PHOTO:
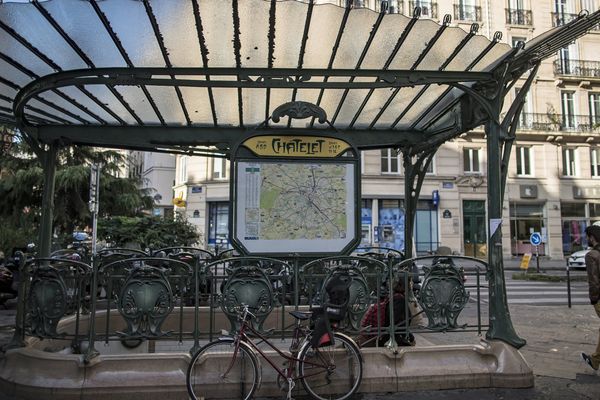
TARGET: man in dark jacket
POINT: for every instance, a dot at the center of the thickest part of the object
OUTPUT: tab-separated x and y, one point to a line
592	262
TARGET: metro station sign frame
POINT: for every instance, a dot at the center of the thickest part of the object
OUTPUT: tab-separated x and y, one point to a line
270	148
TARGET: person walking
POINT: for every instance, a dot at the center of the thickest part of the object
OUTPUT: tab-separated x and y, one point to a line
592	262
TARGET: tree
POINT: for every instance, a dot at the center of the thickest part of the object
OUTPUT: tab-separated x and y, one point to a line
147	232
21	186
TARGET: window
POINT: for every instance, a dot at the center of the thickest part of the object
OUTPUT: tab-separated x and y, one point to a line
589	5
517	39
182	173
573	226
594	109
524	161
525	118
569	161
568	109
390	161
467	10
471	161
428	8
595	161
430	169
526	218
219	168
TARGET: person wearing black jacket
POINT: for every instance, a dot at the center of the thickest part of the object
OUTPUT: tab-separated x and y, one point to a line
592	262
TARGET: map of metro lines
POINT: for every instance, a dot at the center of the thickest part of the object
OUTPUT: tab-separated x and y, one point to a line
298	201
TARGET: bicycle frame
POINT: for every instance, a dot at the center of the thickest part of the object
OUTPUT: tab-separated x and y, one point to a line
292	359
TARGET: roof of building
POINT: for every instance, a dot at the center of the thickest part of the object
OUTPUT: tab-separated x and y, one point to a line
173	75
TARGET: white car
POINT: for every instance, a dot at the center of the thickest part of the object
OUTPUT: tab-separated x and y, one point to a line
577	259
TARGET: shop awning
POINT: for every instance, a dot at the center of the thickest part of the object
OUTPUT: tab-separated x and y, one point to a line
171	75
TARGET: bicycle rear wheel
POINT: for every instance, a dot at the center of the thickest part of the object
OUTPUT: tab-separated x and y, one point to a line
214	373
333	371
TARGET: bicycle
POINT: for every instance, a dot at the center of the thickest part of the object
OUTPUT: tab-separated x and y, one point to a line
329	371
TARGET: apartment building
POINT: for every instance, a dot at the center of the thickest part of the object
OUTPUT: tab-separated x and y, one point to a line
554	178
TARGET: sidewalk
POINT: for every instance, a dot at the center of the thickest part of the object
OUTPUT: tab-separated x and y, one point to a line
556	336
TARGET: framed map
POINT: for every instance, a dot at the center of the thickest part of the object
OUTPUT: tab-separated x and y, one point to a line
295	207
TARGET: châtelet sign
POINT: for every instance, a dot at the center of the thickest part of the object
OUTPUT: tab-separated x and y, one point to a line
296	146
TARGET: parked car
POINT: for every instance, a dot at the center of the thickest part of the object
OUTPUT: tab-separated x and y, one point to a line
577	259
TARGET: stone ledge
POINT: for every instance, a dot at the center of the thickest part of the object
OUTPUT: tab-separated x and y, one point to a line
32	374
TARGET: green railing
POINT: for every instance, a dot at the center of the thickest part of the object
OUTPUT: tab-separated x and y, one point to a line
190	295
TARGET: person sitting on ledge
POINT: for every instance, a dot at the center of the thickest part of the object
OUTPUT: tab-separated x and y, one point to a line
378	315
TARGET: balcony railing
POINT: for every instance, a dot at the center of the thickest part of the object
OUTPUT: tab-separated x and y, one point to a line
581	68
467	13
562	18
518	17
429	9
558	123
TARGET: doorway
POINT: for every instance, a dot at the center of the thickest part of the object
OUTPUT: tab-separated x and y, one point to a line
474	232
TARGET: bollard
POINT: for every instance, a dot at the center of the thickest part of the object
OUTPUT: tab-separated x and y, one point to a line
568	285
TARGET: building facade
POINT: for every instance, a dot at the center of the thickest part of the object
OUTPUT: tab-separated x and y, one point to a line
554	174
156	172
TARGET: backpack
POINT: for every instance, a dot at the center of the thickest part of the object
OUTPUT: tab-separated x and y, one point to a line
338	293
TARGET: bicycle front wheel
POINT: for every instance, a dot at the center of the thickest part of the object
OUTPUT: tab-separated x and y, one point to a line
216	372
333	371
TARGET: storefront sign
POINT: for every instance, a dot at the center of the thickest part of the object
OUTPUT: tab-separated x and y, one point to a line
296	146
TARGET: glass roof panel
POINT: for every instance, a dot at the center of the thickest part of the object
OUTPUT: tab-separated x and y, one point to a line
432	92
440	51
226	105
174	34
13	75
31	25
217	23
288	33
130	23
254	32
469	53
22	55
137	100
415	44
79	20
324	27
254	102
59	101
167	102
52	111
359	26
198	105
385	40
103	94
404	96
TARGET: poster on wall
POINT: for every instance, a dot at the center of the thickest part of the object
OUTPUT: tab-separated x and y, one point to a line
302	207
391	228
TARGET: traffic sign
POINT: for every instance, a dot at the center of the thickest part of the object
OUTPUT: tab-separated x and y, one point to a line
535	239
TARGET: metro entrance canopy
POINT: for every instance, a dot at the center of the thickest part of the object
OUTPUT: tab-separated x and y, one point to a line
199	76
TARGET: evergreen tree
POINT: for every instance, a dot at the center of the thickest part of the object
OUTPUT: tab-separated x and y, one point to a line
21	187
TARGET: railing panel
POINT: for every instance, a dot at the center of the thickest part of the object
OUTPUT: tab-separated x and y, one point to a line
518	17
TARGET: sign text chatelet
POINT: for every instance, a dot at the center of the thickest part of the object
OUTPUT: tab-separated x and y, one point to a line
296	146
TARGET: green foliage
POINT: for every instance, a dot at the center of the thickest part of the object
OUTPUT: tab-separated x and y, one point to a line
21	188
147	232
